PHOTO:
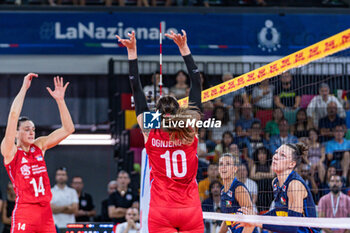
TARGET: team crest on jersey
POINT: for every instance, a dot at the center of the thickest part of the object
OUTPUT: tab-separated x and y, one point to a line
129	197
25	170
283	201
24	160
229	193
39	157
228	203
274	187
284	188
32	149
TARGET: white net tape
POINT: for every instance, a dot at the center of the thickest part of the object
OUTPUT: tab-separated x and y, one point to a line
340	223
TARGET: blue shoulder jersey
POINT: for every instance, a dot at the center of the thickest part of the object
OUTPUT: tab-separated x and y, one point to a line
230	205
281	201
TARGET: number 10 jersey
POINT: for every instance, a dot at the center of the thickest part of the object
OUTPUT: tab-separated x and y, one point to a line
173	171
28	174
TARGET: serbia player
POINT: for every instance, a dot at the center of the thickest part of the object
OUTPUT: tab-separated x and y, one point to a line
293	197
24	162
174	204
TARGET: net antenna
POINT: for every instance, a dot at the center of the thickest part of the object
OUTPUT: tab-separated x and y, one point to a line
160	60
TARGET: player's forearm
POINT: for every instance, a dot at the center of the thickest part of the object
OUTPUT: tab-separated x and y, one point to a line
195	95
57	209
66	119
71	209
118	213
17	104
139	96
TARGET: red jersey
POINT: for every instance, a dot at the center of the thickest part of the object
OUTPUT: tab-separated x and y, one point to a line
28	174
173	171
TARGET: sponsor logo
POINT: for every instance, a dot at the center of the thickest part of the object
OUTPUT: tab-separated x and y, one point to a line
92	30
152	120
24	160
269	38
229	193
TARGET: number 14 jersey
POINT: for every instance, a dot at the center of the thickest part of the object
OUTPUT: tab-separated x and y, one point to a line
28	174
173	171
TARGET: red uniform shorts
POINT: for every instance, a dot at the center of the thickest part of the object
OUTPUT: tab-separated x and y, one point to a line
32	218
171	220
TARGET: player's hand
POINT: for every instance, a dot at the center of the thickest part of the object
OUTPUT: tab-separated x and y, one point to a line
180	41
58	93
28	80
130	43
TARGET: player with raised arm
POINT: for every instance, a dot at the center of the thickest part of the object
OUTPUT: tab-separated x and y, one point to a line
175	205
25	165
293	197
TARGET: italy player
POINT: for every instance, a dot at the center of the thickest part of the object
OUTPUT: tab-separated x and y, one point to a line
234	194
293	197
174	204
25	165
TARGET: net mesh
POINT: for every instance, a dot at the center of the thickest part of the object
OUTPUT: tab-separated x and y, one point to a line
308	104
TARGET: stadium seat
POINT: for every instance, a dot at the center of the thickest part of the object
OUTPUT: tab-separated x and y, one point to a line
126	101
264	116
305	100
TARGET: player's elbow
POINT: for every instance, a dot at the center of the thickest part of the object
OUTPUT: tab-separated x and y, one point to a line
70	129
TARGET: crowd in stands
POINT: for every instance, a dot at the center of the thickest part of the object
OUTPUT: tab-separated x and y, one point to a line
168	3
255	123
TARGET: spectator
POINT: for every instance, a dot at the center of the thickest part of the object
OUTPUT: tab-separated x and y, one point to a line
64	201
121	199
256	139
335	204
338	150
110	2
309	178
149	89
203	185
202	143
86	206
227	99
179	90
316	155
327	123
242	176
7	208
262	95
302	125
324	186
245	123
161	2
235	112
317	108
347	119
283	138
221	114
132	224
271	128
262	173
212	202
111	188
208	3
287	97
224	146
